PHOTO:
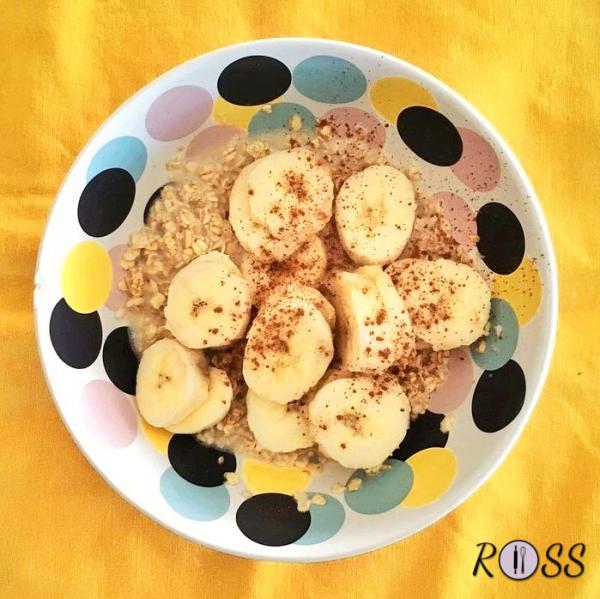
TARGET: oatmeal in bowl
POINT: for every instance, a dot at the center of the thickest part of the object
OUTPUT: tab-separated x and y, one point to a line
295	299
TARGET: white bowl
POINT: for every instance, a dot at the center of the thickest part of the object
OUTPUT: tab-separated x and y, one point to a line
90	368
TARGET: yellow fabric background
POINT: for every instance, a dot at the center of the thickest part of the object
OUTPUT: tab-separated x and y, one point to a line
530	67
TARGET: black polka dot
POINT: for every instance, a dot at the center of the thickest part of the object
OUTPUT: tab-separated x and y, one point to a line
498	397
197	463
106	201
424	432
76	338
272	519
120	361
152	201
430	135
501	239
254	80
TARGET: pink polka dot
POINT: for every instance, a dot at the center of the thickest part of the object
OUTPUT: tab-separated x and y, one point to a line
455	389
211	139
178	112
344	121
108	414
461	217
479	167
116	298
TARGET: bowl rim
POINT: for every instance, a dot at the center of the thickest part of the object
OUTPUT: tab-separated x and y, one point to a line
552	284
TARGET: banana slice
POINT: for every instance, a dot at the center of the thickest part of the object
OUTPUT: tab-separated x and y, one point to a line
358	421
293	194
172	382
289	348
253	236
401	335
208	303
395	269
280	202
277	427
317	299
449	303
375	212
307	266
310	294
374	330
213	410
357	305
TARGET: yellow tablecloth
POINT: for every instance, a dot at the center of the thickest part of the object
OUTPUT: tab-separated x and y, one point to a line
530	67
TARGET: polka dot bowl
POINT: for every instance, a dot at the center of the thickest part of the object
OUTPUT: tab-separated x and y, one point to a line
91	368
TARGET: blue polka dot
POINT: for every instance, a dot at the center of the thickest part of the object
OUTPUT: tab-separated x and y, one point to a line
329	79
325	521
278	120
501	343
192	501
128	153
382	492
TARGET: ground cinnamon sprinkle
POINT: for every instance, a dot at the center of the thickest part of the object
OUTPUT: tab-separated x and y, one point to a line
350	420
296	185
432	236
304	267
270	332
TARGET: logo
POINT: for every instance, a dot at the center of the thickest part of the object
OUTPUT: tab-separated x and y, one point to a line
520	560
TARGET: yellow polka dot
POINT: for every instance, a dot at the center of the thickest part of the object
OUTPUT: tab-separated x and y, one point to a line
391	95
522	289
158	437
229	114
265	478
434	470
86	277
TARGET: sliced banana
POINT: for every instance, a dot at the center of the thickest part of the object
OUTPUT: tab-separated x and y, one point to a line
280	202
172	382
213	410
310	294
307	266
289	348
358	421
449	303
318	300
208	303
395	269
357	304
277	427
293	194
253	236
374	330
400	331
375	212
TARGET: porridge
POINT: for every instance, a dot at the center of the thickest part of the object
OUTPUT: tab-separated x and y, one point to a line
296	301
